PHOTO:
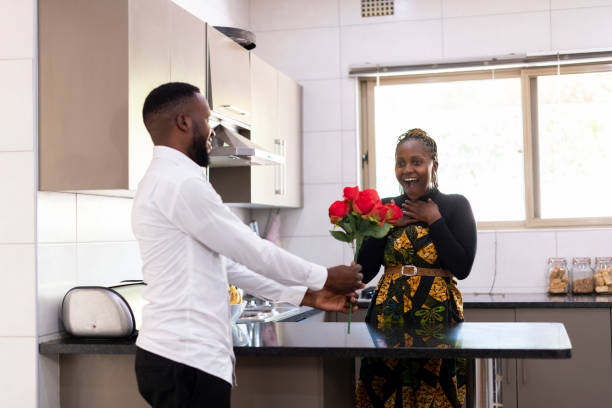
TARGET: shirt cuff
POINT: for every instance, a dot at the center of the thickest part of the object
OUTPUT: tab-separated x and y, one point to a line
317	278
293	294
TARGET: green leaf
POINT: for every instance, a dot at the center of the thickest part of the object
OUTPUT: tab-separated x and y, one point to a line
377	231
340	236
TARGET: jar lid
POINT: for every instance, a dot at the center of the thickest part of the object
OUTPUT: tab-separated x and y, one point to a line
603	259
585	259
557	260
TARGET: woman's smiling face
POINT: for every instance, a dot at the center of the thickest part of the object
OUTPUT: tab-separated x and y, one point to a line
414	168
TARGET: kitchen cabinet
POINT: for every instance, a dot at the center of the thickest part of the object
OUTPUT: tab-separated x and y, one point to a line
98	61
229	94
583	380
264	130
290	135
276	127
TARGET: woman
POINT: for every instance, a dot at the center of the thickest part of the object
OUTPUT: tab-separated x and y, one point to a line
437	235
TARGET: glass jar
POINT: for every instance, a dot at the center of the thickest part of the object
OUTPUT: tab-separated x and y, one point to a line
603	275
558	276
582	276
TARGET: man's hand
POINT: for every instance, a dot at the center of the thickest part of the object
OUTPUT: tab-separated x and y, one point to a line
344	279
415	211
327	300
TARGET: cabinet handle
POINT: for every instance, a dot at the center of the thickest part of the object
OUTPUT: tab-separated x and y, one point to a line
235	109
280	173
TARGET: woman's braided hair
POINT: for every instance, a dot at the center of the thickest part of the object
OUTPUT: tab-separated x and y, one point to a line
427	142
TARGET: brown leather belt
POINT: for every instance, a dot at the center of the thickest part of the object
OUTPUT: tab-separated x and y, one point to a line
411	270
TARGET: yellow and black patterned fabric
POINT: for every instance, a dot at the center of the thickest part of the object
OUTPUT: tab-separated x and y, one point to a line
423	306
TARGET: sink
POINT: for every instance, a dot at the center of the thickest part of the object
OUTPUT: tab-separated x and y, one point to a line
267	313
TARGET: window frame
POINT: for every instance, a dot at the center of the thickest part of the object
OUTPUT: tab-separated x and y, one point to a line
528	78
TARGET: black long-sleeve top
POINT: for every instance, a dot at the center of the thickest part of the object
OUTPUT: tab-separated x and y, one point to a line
454	236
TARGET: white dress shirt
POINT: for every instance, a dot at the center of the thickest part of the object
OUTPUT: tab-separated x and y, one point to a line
190	242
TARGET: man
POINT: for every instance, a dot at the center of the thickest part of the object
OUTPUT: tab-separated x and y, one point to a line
190	244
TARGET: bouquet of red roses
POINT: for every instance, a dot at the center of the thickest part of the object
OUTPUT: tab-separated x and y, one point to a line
361	214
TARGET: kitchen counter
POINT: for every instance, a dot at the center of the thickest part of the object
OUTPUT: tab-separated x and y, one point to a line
319	339
527	300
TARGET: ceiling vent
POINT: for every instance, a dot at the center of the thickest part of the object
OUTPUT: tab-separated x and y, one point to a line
377	8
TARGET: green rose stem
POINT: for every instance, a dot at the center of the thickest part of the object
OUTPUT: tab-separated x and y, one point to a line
356	244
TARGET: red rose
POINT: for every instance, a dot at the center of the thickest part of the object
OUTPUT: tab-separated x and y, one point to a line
366	200
394	213
379	213
351	193
337	211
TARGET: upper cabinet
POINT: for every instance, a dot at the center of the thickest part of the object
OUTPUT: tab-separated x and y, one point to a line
97	63
230	80
277	127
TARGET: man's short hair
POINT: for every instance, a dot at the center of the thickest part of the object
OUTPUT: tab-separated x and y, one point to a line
167	96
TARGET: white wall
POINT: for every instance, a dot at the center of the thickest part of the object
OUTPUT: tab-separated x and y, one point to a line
316	41
18	341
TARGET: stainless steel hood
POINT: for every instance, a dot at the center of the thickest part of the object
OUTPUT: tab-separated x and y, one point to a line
231	149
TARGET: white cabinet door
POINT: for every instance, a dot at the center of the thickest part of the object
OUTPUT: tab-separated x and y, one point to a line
264	129
230	78
290	135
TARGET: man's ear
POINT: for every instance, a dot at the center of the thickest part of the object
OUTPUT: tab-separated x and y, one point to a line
183	122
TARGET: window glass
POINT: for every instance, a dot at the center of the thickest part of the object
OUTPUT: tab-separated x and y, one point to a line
575	141
477	126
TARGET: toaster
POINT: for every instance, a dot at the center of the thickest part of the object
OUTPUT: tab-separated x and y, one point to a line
99	311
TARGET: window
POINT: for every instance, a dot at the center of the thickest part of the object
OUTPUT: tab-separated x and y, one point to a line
528	147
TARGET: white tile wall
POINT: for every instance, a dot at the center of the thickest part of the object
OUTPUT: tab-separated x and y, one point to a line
16	29
350	160
480	278
349	103
18	304
496	35
420	30
321	105
390	43
230	13
313	219
103	219
292	14
567	4
17	197
18	374
350	12
521	260
323	250
464	8
108	263
56	217
57	273
318	56
322	152
16	104
569	31
591	242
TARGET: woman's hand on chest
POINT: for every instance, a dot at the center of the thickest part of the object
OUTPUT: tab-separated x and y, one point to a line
418	211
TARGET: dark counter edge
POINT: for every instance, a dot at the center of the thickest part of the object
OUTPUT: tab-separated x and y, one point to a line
76	346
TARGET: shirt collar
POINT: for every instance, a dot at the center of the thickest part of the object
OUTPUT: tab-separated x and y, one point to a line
175	156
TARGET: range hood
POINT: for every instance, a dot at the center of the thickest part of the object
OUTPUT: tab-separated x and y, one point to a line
231	149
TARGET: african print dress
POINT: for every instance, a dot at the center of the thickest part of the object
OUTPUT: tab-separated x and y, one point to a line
424	305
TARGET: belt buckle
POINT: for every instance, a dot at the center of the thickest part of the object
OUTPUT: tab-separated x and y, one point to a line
414	270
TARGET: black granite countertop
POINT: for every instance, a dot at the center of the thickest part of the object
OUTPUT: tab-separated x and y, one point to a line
531	300
318	339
